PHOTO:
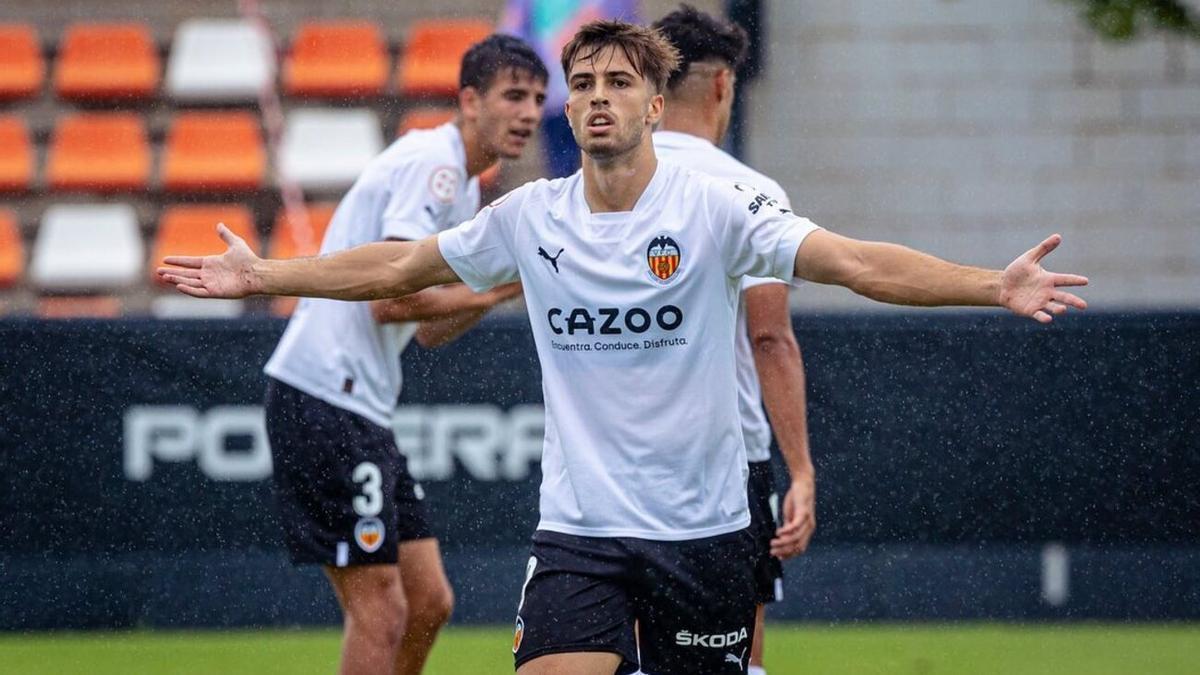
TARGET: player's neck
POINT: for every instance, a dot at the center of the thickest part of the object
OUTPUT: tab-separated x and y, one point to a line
478	157
685	119
614	184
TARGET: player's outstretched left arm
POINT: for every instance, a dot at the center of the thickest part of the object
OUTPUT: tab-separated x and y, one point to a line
380	270
781	374
899	275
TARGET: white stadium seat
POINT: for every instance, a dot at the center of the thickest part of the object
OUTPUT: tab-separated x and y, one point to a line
175	305
219	61
324	149
83	247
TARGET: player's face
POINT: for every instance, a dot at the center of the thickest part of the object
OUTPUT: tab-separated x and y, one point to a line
611	107
510	111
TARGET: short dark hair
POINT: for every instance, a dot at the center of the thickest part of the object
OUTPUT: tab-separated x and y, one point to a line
701	37
652	55
495	54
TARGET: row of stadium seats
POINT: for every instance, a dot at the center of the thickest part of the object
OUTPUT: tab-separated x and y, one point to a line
90	248
98	248
107	131
204	151
231	61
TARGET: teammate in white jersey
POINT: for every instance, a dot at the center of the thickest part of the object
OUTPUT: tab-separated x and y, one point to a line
345	495
699	102
631	271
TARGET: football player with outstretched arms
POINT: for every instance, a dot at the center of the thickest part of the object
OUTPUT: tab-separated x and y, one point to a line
643	517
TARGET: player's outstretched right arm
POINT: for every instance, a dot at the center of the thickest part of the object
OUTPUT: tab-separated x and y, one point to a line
380	270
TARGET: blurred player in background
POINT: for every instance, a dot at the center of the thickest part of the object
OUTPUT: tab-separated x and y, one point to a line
346	497
699	100
548	25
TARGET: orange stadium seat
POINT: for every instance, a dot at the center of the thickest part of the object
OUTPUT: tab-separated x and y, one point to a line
214	151
105	61
16	154
104	152
12	252
430	61
423	118
428	118
79	307
22	67
288	242
336	58
192	230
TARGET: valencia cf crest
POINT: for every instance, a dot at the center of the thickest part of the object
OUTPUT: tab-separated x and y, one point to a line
369	534
663	256
518	633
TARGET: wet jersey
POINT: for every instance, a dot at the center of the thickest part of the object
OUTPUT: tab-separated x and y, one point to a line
693	151
633	316
335	350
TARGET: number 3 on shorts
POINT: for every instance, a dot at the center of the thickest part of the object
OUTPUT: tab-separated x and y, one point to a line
370	502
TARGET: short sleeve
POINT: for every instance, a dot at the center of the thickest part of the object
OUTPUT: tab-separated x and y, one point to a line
751	282
480	251
776	190
421	200
757	236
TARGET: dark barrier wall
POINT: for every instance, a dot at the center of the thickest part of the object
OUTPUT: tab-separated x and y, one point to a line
134	473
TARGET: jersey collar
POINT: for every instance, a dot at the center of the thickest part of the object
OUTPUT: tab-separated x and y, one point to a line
678	139
452	132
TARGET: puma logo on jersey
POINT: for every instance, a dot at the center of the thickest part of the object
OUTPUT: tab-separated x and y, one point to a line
734	658
553	260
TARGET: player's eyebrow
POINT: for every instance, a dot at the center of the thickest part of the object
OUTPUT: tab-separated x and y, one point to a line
610	74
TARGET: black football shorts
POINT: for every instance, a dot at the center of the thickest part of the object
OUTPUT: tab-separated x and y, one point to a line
692	602
343	489
764	516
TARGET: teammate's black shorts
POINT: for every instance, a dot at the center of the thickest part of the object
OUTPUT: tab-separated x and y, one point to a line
344	492
692	602
764	505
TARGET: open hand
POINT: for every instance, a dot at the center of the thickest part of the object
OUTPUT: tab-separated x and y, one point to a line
1029	290
228	275
799	520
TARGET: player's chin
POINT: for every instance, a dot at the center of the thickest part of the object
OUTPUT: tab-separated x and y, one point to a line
599	148
511	150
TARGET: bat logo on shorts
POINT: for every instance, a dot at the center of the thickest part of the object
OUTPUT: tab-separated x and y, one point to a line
368	533
518	633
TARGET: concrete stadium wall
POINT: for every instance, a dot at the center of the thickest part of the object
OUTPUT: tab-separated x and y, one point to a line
972	129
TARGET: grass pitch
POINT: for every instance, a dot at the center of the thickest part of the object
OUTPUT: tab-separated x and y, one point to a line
869	649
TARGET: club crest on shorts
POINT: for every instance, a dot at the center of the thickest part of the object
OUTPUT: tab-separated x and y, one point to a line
369	534
663	256
518	633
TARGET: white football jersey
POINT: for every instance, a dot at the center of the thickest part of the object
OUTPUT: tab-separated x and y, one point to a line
335	350
693	151
633	316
